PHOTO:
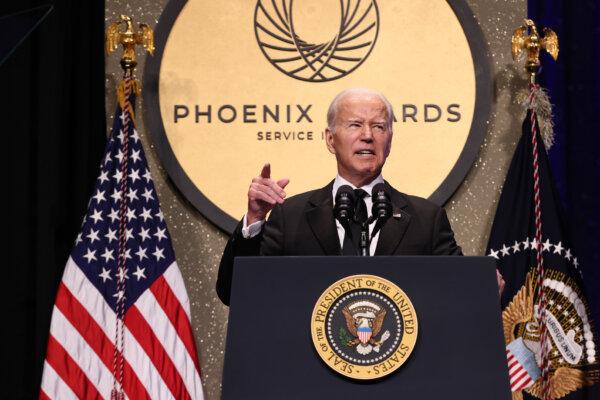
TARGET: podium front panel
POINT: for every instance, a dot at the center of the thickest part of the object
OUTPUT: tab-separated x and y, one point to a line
459	352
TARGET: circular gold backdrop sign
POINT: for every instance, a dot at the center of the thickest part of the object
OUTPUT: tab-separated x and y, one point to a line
238	83
364	327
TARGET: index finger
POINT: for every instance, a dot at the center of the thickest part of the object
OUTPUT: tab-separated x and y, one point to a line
266	171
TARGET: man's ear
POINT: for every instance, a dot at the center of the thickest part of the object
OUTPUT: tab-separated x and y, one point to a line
329	140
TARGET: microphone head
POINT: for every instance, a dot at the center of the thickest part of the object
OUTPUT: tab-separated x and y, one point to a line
382	205
343	210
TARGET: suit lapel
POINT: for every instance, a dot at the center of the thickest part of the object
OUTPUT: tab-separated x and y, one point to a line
394	229
319	214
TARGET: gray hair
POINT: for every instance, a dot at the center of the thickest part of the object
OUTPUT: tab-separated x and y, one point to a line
333	107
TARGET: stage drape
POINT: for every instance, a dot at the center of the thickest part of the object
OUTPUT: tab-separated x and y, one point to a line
53	133
574	87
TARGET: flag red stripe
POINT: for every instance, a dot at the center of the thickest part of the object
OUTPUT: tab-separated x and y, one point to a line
176	314
91	332
43	396
147	339
522	385
516	373
69	371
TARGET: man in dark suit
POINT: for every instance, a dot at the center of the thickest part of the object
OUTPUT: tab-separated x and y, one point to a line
359	134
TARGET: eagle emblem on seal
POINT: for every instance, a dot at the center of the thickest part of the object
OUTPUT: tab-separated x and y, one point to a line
364	320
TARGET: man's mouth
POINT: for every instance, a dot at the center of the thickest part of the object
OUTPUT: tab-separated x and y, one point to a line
365	153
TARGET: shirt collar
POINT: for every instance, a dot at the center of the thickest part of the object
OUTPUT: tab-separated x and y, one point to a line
339	181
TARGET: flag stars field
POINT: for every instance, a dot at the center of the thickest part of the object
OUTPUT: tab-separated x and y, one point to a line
532	245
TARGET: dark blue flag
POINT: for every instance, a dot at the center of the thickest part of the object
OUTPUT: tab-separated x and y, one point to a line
523	244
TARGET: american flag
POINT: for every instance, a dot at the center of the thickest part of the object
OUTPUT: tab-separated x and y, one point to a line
121	321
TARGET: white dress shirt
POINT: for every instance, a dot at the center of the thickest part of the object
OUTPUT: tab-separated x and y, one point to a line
249	231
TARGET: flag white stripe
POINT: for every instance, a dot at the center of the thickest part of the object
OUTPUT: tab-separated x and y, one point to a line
175	280
518	376
91	299
54	386
514	368
171	342
145	370
85	357
518	385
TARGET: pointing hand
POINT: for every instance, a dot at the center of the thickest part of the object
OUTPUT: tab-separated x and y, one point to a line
263	194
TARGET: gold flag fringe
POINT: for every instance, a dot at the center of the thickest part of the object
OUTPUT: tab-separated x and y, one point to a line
537	99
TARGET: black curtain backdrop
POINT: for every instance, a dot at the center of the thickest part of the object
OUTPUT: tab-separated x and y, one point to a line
53	129
574	89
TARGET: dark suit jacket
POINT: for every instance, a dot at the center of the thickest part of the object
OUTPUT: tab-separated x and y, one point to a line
304	225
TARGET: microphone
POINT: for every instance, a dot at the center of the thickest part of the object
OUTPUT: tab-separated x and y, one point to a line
343	210
382	206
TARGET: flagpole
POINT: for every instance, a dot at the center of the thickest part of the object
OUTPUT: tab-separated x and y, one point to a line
127	86
526	39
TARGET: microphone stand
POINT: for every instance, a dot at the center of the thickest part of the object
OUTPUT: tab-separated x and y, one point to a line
365	241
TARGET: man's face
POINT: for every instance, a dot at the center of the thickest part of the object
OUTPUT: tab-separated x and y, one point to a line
362	140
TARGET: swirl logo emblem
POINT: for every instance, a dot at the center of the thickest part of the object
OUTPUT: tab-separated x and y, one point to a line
324	61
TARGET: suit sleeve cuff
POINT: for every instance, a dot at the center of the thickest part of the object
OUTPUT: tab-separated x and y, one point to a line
252	230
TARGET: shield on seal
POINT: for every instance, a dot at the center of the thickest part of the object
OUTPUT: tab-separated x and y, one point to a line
364	334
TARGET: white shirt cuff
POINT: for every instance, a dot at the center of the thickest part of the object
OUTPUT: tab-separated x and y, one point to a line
250	231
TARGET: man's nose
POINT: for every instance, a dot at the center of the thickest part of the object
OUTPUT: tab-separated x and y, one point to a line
366	134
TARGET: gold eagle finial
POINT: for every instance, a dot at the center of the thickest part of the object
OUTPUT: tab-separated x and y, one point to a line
526	40
129	39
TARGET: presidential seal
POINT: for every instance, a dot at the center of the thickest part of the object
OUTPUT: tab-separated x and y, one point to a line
364	327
